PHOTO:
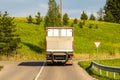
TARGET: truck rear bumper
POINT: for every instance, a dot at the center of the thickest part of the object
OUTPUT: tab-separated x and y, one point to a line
56	61
61	56
61	61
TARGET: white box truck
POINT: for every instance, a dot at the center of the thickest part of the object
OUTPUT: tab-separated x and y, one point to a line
59	44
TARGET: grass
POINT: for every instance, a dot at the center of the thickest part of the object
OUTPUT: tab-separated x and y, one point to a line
96	73
33	40
106	33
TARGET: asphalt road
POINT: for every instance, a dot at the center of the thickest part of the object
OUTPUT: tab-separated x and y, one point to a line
20	70
67	72
37	71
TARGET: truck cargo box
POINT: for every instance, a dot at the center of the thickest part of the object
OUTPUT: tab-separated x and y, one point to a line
59	44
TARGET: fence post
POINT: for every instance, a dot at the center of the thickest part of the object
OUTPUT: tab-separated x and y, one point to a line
107	73
100	72
114	75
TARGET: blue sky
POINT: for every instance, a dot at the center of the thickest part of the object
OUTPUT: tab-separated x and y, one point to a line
23	8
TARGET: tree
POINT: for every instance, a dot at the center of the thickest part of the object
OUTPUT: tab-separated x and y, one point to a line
84	16
100	14
81	24
59	21
108	17
9	40
38	18
29	19
112	8
75	21
92	17
65	19
53	17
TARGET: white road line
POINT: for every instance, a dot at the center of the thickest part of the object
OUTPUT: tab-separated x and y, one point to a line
36	78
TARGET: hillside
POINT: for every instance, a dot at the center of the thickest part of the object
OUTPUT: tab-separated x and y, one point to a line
107	33
33	38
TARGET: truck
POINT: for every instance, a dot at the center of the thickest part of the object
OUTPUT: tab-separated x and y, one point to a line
59	45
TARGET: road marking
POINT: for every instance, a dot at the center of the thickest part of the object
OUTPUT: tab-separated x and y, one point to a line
40	71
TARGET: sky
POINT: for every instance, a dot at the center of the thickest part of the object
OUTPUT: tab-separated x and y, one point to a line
74	8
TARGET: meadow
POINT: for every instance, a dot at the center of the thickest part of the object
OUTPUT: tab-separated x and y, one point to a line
94	31
33	40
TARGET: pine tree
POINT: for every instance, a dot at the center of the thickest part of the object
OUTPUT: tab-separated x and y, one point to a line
29	19
65	19
92	17
84	16
112	8
75	21
38	18
59	22
9	40
108	17
53	17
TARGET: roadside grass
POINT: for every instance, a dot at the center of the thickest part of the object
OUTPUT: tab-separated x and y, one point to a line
96	73
93	56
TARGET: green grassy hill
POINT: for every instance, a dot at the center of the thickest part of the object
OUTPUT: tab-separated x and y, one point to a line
33	38
106	33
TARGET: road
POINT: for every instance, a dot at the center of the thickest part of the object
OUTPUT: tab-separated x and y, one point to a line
30	70
61	72
20	70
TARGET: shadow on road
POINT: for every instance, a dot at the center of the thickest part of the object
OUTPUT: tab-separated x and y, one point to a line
59	64
31	63
40	63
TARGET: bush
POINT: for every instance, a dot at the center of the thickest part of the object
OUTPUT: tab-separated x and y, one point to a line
80	24
91	25
29	19
96	27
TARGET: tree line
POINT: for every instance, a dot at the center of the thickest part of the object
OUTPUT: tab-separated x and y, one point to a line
109	13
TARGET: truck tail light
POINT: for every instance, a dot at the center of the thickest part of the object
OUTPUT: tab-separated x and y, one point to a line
71	55
47	56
